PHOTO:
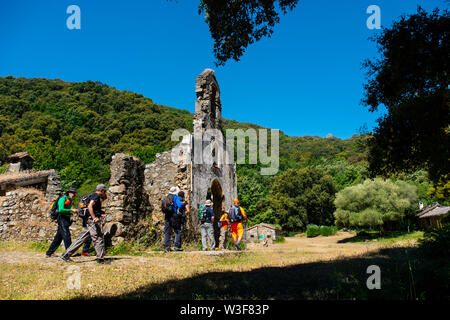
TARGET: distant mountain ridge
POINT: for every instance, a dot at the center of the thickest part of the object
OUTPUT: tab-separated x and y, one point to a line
75	128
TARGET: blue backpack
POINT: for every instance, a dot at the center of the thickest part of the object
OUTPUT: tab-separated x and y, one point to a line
235	214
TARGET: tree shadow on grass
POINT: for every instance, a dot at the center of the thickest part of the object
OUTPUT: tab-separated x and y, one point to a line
362	236
344	278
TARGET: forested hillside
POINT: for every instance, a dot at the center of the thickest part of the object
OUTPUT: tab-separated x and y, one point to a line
75	128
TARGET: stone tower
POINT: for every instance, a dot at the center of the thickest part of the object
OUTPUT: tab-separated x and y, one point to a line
201	171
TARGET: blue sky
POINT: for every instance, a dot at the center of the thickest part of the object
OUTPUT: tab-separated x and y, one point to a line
305	80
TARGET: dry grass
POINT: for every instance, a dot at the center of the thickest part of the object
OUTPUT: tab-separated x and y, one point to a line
294	269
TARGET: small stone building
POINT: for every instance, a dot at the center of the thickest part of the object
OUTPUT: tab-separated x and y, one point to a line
432	216
263	232
20	161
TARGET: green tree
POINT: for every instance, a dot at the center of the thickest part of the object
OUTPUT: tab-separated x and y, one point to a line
411	81
301	197
375	203
235	24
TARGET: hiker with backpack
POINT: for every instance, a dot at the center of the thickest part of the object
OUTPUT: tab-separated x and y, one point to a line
206	217
236	216
87	244
224	225
90	209
61	211
175	209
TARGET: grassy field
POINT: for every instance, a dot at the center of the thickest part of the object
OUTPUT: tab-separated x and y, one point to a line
300	268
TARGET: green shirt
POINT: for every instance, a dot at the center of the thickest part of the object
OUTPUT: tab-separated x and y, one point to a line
63	210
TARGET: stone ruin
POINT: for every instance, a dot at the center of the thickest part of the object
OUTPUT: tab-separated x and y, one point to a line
127	205
133	207
212	179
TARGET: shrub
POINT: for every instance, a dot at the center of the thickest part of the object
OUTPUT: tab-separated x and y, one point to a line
327	231
312	231
374	203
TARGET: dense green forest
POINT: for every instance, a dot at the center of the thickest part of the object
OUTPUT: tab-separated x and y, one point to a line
75	128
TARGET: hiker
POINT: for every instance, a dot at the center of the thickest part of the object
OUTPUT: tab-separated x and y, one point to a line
224	225
87	244
91	227
175	209
207	228
236	215
64	213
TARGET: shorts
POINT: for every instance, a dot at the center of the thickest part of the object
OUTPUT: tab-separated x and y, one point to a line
237	230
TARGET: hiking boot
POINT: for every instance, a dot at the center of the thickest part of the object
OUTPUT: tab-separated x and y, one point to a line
238	247
167	250
66	258
77	255
103	261
85	254
177	249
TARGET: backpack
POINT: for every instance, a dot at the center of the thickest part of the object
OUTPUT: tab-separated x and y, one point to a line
54	212
167	206
235	214
83	206
202	214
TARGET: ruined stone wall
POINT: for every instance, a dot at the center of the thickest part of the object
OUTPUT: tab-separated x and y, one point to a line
166	172
24	216
127	206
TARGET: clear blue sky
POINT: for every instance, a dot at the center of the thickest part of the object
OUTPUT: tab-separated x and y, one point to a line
305	80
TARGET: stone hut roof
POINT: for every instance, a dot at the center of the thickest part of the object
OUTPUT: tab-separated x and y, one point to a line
433	210
18	156
263	225
23	179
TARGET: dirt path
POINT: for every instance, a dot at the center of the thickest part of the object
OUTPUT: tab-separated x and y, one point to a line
322	246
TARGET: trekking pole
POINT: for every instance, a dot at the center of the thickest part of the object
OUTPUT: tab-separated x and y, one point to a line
245	236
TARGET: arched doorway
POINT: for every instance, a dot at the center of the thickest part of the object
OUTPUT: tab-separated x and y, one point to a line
215	194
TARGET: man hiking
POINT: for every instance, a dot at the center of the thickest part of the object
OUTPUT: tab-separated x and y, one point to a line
174	218
224	225
91	227
64	213
207	228
236	216
87	244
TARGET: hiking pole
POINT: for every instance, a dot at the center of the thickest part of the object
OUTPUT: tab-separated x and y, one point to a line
245	236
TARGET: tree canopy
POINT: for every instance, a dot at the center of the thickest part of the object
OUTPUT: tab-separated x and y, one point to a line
235	24
411	80
374	203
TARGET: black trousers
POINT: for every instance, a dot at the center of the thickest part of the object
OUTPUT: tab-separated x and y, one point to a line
177	227
63	234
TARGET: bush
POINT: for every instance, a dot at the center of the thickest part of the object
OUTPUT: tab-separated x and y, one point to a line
312	231
375	203
327	231
437	241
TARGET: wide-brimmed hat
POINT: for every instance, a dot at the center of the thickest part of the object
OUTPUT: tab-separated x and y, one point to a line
174	190
208	203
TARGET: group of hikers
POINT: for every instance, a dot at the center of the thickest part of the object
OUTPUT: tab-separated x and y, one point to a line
174	207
